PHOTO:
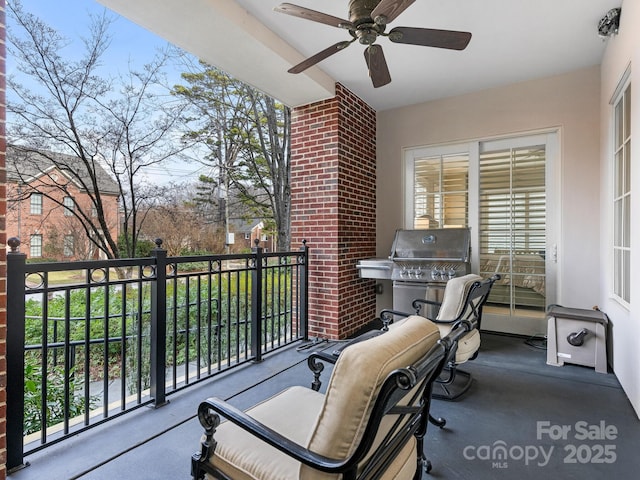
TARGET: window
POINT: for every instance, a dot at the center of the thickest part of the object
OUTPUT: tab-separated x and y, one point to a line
35	246
69	205
36	204
441	186
622	196
69	246
437	181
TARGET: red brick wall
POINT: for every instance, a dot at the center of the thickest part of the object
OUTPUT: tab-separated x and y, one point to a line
3	252
333	200
22	224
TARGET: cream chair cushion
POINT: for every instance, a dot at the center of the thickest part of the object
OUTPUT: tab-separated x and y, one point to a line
453	302
455	294
357	377
330	424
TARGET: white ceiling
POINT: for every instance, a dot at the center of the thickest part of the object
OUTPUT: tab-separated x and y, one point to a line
513	41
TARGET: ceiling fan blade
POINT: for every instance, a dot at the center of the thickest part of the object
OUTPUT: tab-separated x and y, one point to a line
318	57
378	70
428	37
313	15
389	9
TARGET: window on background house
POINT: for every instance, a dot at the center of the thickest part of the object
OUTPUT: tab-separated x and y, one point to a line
36	204
69	246
35	246
622	195
69	205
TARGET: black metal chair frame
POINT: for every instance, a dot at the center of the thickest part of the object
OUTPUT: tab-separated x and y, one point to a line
471	311
412	420
316	362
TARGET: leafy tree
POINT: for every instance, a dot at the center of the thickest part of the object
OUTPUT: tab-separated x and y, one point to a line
246	134
267	165
216	121
94	124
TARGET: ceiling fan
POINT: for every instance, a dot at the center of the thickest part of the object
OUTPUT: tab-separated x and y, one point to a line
368	20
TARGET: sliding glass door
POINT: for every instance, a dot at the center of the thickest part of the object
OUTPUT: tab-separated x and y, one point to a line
513	231
501	189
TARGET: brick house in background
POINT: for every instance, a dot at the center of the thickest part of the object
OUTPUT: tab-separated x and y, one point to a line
43	198
265	240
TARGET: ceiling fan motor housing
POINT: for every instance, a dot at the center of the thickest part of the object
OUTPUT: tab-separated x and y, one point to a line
366	29
360	10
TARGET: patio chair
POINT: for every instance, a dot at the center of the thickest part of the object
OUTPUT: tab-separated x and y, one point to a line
370	423
464	298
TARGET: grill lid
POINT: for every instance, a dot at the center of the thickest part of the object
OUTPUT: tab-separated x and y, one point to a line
441	244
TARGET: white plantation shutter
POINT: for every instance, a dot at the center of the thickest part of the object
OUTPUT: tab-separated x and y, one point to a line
441	191
513	217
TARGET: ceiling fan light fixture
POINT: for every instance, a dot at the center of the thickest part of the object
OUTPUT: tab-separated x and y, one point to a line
366	36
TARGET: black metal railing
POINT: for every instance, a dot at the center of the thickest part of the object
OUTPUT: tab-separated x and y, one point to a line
120	334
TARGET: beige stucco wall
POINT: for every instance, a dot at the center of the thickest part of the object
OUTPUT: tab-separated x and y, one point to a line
622	51
568	103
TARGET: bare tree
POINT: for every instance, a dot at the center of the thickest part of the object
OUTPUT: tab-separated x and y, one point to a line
175	217
120	125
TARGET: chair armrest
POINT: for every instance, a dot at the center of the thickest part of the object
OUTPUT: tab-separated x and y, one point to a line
317	367
418	302
459	330
387	315
209	413
450	341
324	356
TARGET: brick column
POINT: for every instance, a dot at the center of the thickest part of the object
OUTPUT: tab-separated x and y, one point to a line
3	243
333	204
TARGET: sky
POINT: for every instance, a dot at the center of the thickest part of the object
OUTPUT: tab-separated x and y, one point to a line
129	43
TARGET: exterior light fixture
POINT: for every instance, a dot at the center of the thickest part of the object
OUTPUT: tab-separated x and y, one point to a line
609	24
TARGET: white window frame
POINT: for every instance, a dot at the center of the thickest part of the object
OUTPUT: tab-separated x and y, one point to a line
621	217
69	245
413	154
35	245
35	203
69	205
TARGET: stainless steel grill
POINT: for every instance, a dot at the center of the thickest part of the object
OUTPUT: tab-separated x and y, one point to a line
421	263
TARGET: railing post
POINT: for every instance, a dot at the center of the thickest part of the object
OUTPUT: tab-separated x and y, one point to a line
158	346
15	355
304	290
256	303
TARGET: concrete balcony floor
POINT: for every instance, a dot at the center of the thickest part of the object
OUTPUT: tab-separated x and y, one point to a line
521	419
